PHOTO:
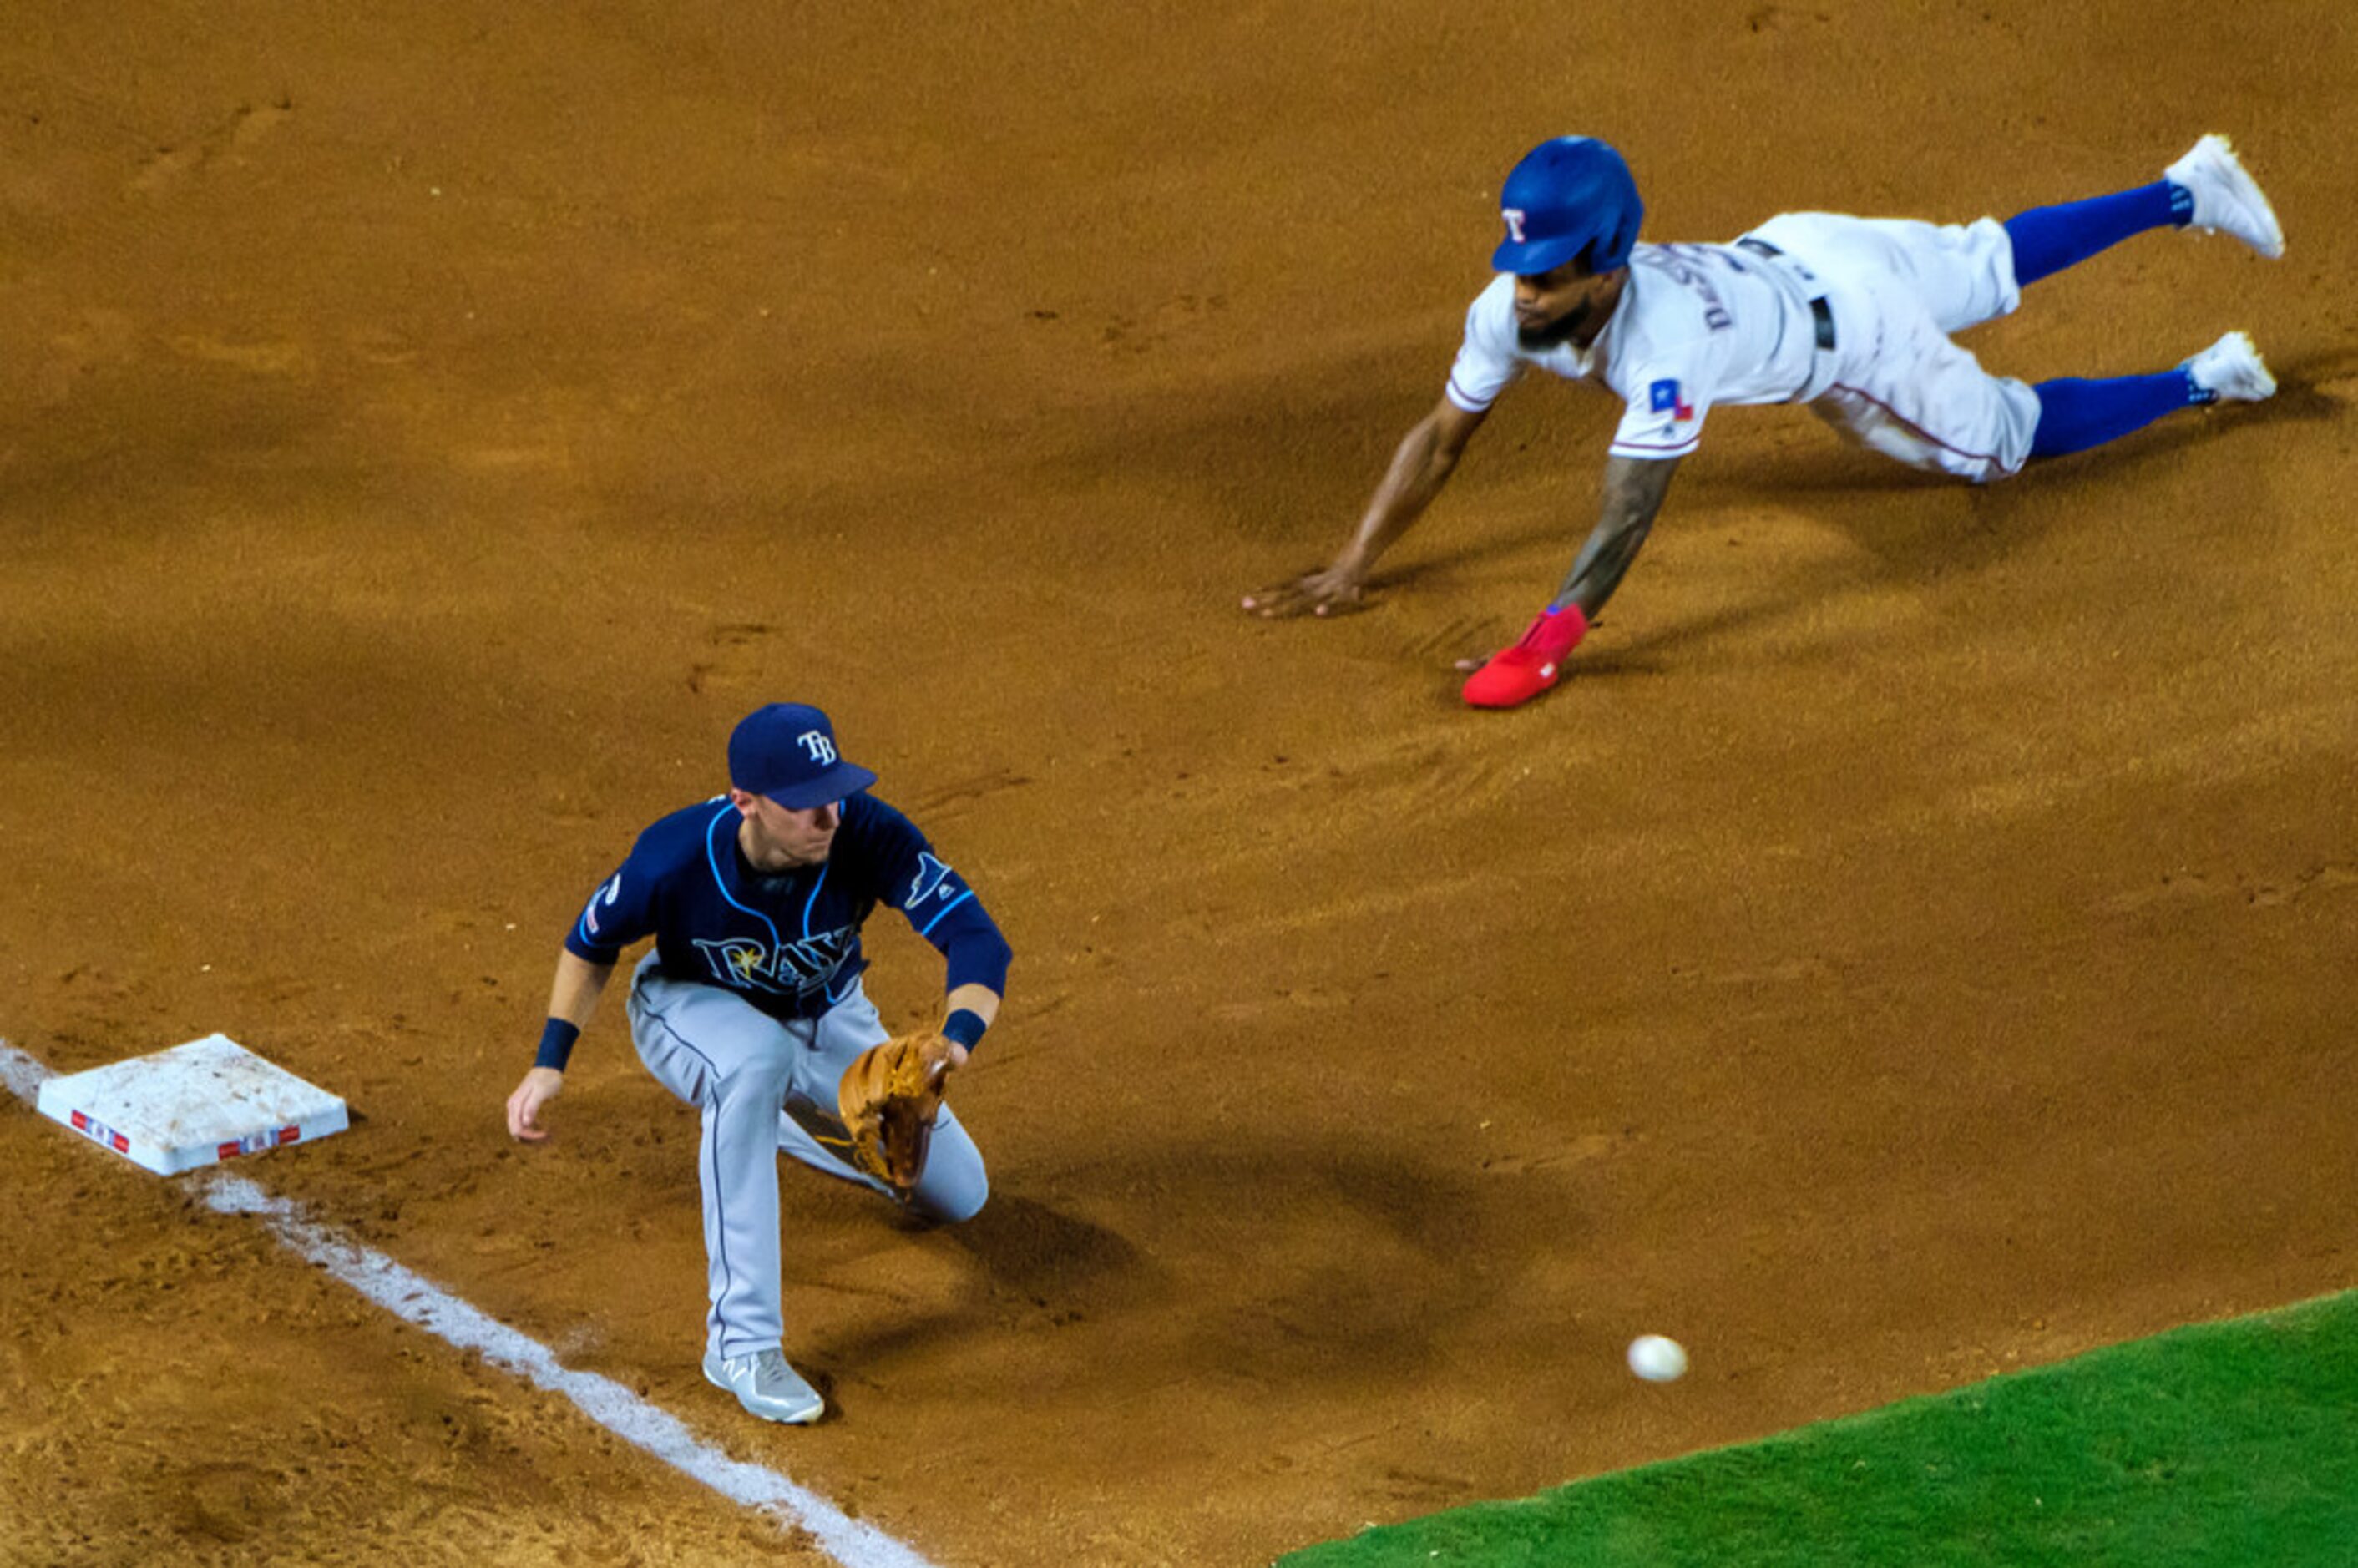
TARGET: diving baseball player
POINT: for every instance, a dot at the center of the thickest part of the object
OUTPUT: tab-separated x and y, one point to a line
749	1007
1851	316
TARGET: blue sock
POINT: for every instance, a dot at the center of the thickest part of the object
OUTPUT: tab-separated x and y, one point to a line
2049	239
2076	415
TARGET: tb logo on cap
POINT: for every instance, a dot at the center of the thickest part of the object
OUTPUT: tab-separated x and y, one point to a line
787	750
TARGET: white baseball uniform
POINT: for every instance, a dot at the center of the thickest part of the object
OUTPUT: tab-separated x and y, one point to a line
1849	315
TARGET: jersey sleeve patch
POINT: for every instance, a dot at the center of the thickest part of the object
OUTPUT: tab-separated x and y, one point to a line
1664	420
926	889
608	922
618	913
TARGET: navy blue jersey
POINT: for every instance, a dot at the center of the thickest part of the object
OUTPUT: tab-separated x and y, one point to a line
787	943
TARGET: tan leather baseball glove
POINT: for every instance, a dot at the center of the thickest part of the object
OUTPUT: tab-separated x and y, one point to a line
889	1099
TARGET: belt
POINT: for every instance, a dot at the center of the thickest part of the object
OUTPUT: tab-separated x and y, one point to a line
1820	315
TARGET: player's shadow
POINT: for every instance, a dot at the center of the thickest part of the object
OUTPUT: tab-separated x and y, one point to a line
1643	654
1323	1260
2302	380
1034	1263
1925	538
1922	527
1281	1260
1032	1248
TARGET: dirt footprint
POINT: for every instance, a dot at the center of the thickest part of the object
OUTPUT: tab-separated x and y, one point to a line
248	124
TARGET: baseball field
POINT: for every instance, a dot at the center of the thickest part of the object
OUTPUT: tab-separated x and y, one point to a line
1915	943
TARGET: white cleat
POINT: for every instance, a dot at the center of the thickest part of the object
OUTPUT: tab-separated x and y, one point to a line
766	1386
2232	370
2227	199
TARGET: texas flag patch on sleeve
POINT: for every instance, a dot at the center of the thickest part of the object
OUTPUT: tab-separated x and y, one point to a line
1660	420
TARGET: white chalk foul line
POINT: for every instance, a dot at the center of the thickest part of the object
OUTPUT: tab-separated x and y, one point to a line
416	1300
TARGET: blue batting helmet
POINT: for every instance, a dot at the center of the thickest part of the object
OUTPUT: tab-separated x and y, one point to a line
1572	196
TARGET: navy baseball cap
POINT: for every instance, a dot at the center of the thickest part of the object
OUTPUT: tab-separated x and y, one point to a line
786	751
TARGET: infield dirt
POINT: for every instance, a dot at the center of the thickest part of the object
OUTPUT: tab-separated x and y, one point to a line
1915	941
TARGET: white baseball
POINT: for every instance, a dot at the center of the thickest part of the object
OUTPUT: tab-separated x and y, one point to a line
1657	1359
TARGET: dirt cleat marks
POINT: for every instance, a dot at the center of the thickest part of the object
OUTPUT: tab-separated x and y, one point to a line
246	126
2194	887
1172	318
735	660
954	797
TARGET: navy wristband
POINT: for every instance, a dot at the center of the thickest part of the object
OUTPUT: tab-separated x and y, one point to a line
965	1026
557	1038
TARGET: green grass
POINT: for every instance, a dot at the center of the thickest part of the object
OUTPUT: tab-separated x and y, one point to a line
2232	1444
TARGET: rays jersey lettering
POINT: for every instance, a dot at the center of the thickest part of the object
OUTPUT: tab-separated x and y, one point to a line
796	968
789	943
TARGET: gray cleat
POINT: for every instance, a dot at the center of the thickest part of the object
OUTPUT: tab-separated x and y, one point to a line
766	1386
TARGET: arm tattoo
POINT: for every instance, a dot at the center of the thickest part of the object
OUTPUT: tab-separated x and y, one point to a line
1634	488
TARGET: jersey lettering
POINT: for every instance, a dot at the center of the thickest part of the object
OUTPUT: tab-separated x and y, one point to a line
805	966
1680	263
790	945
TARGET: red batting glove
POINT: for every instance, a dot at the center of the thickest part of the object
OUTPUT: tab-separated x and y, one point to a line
1535	663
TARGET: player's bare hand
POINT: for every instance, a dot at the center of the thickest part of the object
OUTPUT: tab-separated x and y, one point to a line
540	1086
1336	590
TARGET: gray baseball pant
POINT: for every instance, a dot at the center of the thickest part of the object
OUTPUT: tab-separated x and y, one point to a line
763	1085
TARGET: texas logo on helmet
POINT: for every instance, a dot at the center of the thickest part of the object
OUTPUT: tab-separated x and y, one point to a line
1572	198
